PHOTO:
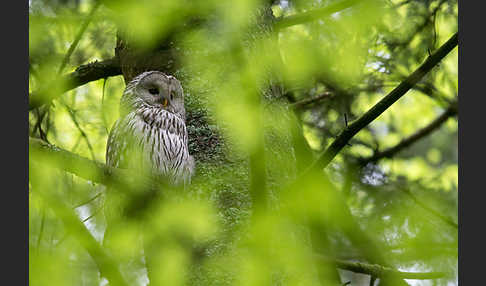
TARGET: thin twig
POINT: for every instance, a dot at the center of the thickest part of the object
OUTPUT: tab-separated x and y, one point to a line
444	218
432	126
38	124
83	221
83	74
312	100
402	3
76	145
88	201
81	31
92	215
312	15
107	267
81	131
376	270
48	119
41	231
103	117
429	18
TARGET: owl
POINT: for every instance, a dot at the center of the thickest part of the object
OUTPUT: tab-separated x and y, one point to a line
151	134
150	138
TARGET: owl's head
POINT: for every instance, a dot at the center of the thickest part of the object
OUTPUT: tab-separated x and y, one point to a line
156	90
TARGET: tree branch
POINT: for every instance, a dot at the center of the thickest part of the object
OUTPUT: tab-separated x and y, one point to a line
142	188
90	170
81	131
339	211
82	75
376	270
390	152
74	44
87	201
107	267
428	19
444	218
307	101
312	15
384	104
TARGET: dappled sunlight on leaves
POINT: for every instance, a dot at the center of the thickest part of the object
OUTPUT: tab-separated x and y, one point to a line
262	105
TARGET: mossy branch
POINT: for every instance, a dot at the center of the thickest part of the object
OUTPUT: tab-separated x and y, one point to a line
380	271
82	75
93	171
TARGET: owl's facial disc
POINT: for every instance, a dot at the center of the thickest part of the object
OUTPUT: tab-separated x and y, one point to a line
158	96
162	92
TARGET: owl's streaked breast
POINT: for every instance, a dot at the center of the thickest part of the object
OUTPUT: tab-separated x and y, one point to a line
154	139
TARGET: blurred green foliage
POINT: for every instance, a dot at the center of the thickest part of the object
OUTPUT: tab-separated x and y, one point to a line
209	233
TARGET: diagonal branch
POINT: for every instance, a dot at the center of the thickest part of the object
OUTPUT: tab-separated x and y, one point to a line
384	104
80	129
81	31
428	20
377	270
442	217
312	15
106	265
390	152
87	201
82	75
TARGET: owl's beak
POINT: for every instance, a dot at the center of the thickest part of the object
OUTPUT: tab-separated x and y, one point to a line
163	102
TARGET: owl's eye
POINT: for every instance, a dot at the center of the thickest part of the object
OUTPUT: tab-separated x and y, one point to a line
165	102
153	91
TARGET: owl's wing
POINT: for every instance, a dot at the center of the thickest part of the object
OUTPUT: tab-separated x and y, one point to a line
117	146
